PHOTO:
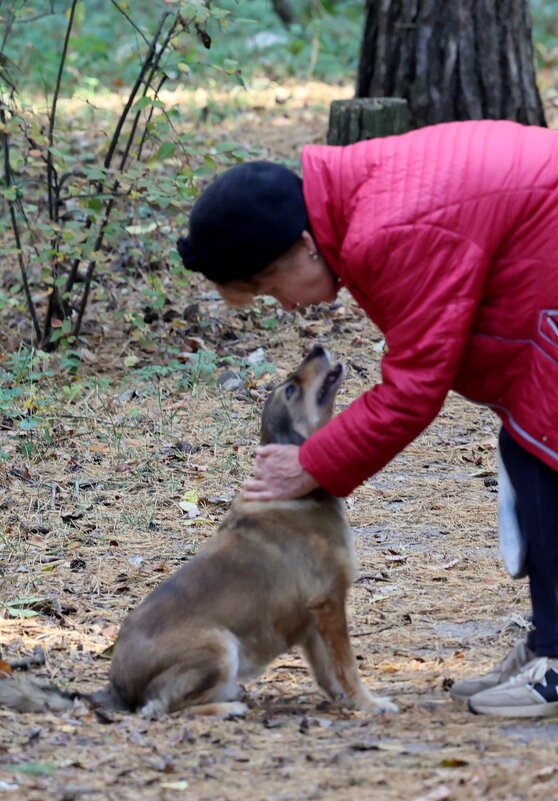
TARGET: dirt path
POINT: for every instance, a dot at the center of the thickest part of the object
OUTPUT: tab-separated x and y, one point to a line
92	522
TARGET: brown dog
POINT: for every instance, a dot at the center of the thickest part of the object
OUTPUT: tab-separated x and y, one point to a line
276	574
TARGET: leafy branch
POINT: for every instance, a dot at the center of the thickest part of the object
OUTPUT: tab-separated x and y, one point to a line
8	178
68	204
150	65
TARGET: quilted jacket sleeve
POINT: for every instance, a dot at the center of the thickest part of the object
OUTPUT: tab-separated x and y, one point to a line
425	283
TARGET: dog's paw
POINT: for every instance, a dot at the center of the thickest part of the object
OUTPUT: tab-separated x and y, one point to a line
220	709
237	709
153	710
378	704
375	704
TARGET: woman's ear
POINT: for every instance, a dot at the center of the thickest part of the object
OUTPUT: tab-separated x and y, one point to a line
309	243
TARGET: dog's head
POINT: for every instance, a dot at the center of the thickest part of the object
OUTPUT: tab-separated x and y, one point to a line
303	402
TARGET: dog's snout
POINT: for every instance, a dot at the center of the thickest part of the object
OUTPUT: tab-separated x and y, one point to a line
316	352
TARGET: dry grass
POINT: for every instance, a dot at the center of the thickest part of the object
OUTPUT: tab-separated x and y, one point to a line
91	522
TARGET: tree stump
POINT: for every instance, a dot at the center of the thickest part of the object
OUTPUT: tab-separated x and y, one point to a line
365	118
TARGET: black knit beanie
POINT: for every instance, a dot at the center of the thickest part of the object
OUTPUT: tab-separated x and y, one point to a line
248	217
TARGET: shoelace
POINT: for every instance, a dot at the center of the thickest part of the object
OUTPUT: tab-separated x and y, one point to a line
534	671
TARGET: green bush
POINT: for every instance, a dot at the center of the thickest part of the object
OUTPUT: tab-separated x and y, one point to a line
322	43
74	187
545	22
104	47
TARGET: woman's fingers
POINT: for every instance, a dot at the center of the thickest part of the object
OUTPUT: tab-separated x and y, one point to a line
257	491
254	485
278	475
277	461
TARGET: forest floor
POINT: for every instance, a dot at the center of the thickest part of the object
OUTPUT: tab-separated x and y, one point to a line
91	521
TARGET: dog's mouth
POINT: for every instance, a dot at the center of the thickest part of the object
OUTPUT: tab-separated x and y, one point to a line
331	384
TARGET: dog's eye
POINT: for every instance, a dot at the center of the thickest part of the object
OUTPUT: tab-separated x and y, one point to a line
289	391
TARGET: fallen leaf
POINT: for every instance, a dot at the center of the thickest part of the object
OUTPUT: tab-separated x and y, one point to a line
87	356
126	396
195	344
23	607
34	768
256	357
124	467
446	566
190	508
137	230
442	793
489	444
545	774
181	446
180	785
365	746
5	669
70	517
98	448
218	500
21	472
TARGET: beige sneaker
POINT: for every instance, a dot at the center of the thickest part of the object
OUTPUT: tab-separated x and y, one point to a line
531	693
517	658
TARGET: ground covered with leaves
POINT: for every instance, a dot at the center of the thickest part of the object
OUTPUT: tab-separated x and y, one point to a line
113	476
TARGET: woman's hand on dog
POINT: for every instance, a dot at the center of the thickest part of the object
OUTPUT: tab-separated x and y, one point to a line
278	475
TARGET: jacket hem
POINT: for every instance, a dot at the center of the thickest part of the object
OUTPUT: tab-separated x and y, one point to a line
537	448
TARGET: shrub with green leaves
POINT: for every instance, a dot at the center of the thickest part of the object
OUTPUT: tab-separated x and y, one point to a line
545	22
322	42
71	195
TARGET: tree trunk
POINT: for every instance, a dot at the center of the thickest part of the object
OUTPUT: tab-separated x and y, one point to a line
451	59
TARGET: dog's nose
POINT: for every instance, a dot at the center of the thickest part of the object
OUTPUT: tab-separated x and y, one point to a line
316	351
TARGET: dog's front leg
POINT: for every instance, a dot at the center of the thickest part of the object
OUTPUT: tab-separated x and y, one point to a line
318	656
329	652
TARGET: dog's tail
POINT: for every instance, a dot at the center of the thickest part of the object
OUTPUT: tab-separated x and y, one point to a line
27	695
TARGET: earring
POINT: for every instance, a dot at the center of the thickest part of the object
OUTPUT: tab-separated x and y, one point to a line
314	256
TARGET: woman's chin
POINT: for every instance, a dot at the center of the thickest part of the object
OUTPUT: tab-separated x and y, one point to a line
332	296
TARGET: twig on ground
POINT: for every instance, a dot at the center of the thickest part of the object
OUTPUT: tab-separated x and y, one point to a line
36	658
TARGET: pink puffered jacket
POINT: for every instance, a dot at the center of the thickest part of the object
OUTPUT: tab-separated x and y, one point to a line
448	239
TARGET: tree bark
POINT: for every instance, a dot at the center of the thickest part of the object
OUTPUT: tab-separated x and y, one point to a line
451	59
365	118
